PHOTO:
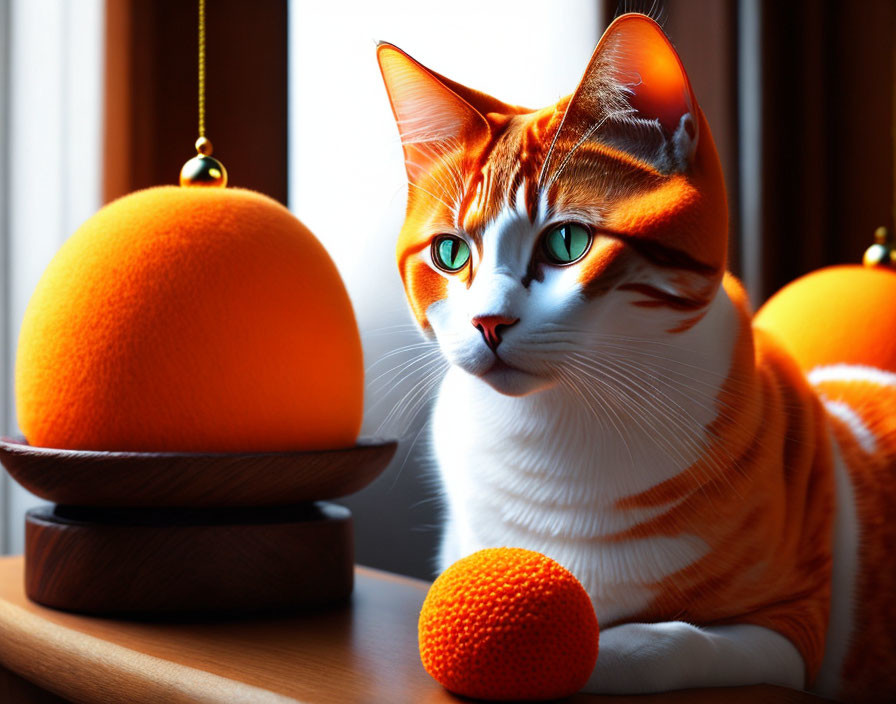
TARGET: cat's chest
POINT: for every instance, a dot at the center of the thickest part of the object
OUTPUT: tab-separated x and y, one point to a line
542	480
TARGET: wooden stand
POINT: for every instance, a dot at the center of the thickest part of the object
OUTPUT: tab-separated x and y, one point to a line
146	561
190	533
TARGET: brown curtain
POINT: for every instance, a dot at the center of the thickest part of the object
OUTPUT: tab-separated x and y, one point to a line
827	142
151	92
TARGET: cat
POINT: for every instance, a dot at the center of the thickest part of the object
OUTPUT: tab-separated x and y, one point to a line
609	401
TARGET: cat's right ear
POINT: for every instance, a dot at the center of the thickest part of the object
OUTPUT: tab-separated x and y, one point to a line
433	120
636	95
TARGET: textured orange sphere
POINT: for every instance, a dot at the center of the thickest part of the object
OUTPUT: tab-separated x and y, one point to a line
193	319
508	624
838	315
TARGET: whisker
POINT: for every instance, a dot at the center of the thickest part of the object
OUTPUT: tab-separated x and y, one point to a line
403	349
635	412
596	339
613	418
413	398
425	367
690	431
407	454
422	360
390	328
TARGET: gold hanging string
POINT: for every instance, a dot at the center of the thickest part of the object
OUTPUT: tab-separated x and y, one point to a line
201	69
203	169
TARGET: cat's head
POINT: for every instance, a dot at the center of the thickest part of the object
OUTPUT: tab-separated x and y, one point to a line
532	234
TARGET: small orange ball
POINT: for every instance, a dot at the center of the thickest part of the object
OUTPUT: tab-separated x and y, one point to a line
508	624
190	319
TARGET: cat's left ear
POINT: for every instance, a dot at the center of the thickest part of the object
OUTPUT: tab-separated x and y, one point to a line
636	95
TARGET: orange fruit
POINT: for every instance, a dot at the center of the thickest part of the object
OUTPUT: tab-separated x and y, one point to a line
192	319
508	624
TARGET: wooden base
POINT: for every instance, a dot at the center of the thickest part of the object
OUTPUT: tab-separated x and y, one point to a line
179	561
194	479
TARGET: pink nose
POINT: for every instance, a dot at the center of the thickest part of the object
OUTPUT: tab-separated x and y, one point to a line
490	326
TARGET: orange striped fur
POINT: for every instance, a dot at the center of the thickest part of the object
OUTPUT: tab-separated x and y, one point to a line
869	672
776	504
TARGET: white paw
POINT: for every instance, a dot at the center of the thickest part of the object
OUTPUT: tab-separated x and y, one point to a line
638	658
658	657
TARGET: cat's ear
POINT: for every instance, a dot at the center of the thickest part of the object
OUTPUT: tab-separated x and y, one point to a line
433	115
636	95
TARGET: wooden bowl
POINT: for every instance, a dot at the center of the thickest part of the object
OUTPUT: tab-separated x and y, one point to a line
193	480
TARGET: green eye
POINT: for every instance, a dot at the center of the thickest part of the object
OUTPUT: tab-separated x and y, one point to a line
450	253
567	243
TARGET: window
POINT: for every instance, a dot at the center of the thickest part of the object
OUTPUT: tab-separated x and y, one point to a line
53	103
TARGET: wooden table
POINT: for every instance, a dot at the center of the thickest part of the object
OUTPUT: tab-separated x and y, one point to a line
365	652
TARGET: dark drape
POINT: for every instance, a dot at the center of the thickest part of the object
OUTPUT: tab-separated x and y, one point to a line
151	98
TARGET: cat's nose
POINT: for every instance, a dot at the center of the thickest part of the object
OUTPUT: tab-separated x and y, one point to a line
491	327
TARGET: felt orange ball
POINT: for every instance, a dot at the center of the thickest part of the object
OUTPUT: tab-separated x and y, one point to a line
191	319
836	316
508	624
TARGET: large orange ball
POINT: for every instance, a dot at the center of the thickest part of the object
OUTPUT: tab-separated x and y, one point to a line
837	315
508	624
192	319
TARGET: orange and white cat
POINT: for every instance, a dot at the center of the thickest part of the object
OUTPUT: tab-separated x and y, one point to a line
610	400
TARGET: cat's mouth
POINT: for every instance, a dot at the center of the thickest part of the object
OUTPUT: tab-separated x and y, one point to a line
509	380
500	365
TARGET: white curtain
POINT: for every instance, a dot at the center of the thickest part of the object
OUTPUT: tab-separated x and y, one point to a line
52	96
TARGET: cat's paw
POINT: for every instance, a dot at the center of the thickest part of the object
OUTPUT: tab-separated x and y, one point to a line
657	657
634	658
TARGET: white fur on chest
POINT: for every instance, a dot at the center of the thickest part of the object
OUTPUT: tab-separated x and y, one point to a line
528	477
541	472
536	482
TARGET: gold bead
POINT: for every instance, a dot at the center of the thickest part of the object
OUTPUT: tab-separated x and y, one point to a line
204	146
876	255
203	170
881	253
